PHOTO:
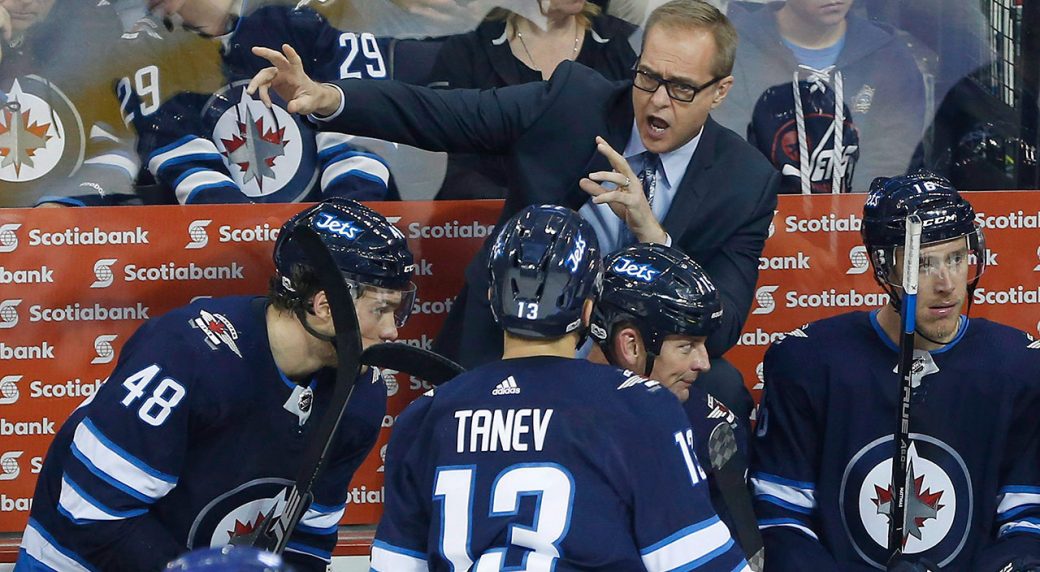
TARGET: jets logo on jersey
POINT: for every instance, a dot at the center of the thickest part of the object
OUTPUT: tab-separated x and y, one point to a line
238	512
643	272
218	330
269	154
506	387
41	131
938	508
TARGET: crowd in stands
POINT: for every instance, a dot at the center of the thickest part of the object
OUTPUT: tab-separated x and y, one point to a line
128	102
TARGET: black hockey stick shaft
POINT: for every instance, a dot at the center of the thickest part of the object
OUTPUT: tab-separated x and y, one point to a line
729	465
274	533
417	362
908	326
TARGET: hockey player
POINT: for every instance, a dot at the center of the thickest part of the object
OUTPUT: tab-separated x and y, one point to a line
824	444
540	458
60	133
191	439
205	141
653	317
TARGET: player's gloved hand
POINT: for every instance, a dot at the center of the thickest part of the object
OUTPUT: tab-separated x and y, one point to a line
1024	564
902	564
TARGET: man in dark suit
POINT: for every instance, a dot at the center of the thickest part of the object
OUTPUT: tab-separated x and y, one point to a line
714	195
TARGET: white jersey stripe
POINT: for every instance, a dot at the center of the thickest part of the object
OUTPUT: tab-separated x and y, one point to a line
689	545
93	445
39	545
805	498
389	558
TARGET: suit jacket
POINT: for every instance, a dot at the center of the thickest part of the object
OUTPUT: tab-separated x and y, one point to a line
546	131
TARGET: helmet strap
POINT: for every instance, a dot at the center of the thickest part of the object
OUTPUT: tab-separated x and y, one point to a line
302	316
650	356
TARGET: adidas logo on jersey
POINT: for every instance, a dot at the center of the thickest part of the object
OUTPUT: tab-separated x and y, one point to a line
506	387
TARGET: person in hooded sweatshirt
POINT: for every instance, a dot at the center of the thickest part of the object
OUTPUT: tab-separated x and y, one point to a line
831	56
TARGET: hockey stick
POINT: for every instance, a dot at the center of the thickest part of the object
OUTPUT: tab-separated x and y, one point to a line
417	362
729	465
908	323
274	533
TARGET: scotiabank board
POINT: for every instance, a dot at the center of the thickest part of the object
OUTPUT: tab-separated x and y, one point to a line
76	283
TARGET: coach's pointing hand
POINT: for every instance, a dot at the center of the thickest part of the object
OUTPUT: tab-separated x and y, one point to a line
291	83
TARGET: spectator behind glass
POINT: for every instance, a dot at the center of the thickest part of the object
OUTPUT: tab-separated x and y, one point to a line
508	49
59	121
204	141
834	56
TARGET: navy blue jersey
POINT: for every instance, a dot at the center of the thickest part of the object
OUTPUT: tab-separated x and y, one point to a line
205	140
824	445
195	436
549	464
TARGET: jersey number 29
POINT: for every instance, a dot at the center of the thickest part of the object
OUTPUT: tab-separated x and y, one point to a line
550	483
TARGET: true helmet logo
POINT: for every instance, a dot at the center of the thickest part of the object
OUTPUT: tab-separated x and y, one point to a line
576	255
103	347
8	238
628	267
9	467
9	389
345	228
764	299
859	260
198	235
103	273
9	313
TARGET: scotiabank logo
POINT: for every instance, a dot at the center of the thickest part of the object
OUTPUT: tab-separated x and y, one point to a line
9	313
8	238
858	259
453	229
1037	267
764	299
9	467
9	389
103	348
197	233
94	236
761	375
826	223
103	273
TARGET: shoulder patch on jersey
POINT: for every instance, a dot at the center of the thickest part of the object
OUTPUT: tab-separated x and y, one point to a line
430	392
218	330
1034	344
798	332
716	410
633	380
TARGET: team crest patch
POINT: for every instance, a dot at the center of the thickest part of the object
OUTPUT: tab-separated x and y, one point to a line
218	330
939	506
41	131
267	153
238	512
861	103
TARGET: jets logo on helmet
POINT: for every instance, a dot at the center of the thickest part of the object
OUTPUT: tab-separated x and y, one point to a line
661	291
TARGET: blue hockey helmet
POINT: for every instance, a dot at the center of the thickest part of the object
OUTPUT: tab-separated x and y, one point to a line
367	248
945	215
544	264
229	559
660	291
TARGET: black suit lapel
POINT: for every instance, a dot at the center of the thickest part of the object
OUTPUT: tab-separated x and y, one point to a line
694	184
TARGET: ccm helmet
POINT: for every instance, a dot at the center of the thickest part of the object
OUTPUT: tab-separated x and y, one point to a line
944	213
368	250
660	291
544	264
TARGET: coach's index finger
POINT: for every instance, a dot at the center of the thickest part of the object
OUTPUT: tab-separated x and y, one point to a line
617	160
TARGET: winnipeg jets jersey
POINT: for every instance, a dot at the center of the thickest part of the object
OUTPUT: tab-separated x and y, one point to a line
194	438
551	463
60	133
206	140
824	445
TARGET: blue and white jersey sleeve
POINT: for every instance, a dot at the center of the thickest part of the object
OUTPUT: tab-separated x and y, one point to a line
126	452
785	466
401	539
674	523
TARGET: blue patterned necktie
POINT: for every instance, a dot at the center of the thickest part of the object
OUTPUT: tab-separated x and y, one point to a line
648	176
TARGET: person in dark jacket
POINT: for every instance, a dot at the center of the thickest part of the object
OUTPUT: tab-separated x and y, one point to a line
499	53
820	42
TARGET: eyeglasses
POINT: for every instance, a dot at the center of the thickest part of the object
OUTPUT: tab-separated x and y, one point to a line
679	91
